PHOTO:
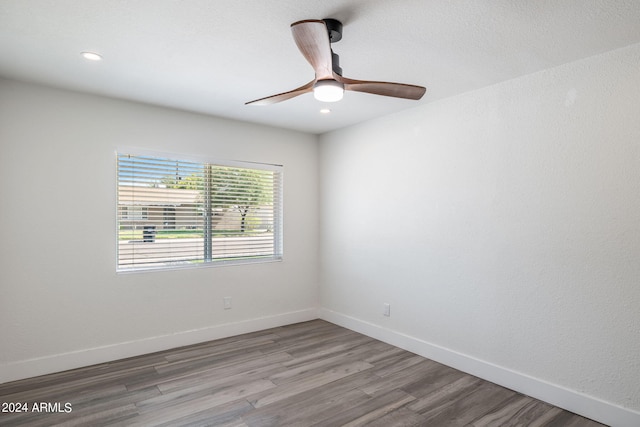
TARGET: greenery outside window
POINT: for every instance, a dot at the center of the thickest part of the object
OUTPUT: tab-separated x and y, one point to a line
174	213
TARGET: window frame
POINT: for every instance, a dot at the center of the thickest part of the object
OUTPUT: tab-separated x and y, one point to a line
278	214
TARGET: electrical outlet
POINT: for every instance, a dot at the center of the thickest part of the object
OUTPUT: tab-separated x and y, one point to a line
386	310
226	302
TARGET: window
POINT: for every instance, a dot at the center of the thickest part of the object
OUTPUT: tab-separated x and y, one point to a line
174	213
134	213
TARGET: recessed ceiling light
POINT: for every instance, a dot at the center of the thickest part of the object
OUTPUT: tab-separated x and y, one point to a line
91	56
325	111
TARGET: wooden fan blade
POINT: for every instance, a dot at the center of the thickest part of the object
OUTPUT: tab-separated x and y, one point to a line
396	90
273	99
312	38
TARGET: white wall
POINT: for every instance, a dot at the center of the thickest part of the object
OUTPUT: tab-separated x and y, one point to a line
62	305
503	227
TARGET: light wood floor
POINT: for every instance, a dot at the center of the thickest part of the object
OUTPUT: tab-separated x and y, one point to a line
307	374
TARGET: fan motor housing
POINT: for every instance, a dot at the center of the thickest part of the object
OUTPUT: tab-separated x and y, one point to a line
335	29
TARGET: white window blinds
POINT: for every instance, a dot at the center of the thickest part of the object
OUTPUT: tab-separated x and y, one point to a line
179	213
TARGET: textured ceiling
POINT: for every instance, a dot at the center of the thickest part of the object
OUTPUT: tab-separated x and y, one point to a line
211	56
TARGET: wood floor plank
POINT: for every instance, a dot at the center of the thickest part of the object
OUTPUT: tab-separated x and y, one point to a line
309	383
368	411
386	352
398	364
568	419
311	373
152	414
316	409
206	362
401	417
520	410
294	405
359	351
317	345
267	366
74	384
125	399
299	369
544	420
401	378
120	415
207	351
434	380
475	403
225	414
446	393
178	395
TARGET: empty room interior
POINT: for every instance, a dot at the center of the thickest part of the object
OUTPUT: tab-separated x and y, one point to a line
464	255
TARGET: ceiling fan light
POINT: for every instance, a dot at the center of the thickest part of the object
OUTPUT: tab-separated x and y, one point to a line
328	90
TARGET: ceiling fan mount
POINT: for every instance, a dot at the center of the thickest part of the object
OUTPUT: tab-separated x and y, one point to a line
313	38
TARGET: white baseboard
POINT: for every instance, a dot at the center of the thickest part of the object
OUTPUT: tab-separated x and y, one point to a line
61	362
587	406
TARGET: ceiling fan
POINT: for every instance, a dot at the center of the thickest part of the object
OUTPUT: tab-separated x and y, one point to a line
314	37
